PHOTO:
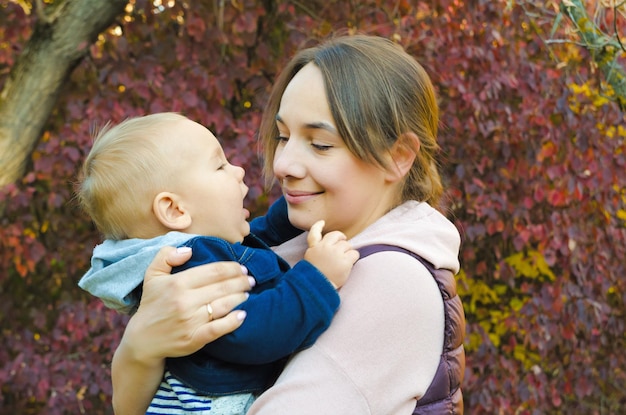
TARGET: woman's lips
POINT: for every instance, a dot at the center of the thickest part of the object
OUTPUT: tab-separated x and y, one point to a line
297	197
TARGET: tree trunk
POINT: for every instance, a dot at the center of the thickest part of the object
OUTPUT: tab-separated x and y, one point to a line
61	38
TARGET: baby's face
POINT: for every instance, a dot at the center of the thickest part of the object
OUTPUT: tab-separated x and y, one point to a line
211	188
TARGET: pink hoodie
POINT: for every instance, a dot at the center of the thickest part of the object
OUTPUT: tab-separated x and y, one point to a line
383	347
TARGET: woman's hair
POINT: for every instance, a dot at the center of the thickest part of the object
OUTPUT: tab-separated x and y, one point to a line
123	172
376	92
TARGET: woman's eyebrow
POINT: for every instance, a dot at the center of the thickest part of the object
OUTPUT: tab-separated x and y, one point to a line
320	125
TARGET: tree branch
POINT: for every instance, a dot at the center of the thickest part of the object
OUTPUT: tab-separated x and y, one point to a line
58	43
604	50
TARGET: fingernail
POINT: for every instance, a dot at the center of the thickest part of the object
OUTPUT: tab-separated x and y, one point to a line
183	249
241	315
252	282
244	270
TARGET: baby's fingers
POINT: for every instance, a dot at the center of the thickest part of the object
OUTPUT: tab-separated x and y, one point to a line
315	233
345	248
334	237
353	255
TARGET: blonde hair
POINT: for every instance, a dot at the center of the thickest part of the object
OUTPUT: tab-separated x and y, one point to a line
376	93
123	172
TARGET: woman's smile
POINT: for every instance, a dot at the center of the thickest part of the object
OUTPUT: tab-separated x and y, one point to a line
296	197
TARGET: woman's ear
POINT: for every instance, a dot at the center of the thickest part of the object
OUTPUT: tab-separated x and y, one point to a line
403	154
169	210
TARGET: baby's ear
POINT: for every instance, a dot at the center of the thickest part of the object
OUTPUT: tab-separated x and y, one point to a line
169	210
403	154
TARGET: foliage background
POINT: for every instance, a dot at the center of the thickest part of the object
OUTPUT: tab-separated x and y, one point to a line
533	154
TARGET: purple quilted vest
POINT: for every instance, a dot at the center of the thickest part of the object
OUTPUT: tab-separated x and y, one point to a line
444	395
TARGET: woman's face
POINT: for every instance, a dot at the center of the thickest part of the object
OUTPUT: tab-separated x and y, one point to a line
319	176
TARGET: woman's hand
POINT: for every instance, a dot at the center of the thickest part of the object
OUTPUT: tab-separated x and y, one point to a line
173	320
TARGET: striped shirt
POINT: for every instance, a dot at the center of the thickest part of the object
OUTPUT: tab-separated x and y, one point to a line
173	397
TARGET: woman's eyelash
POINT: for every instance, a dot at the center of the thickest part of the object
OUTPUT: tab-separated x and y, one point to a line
319	147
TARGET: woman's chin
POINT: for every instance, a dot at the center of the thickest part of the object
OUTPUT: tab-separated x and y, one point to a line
301	223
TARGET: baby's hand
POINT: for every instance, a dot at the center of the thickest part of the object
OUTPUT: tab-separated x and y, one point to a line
332	254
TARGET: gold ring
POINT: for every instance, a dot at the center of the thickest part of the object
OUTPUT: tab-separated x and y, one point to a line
209	309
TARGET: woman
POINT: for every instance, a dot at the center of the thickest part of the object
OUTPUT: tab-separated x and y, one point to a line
350	134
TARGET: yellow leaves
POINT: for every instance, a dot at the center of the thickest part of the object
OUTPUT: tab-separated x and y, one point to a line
495	327
611	131
496	305
600	101
480	297
526	356
473	341
586	98
25	5
34	232
621	214
80	394
531	265
580	89
476	291
608	131
517	304
572	54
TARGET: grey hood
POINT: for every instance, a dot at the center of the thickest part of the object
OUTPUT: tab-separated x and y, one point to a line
118	267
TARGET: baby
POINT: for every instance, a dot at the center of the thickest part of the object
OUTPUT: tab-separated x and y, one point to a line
163	179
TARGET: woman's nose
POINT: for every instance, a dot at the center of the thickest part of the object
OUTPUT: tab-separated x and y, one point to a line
288	161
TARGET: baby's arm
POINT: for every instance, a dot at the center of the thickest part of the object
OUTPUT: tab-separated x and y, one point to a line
332	254
289	310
